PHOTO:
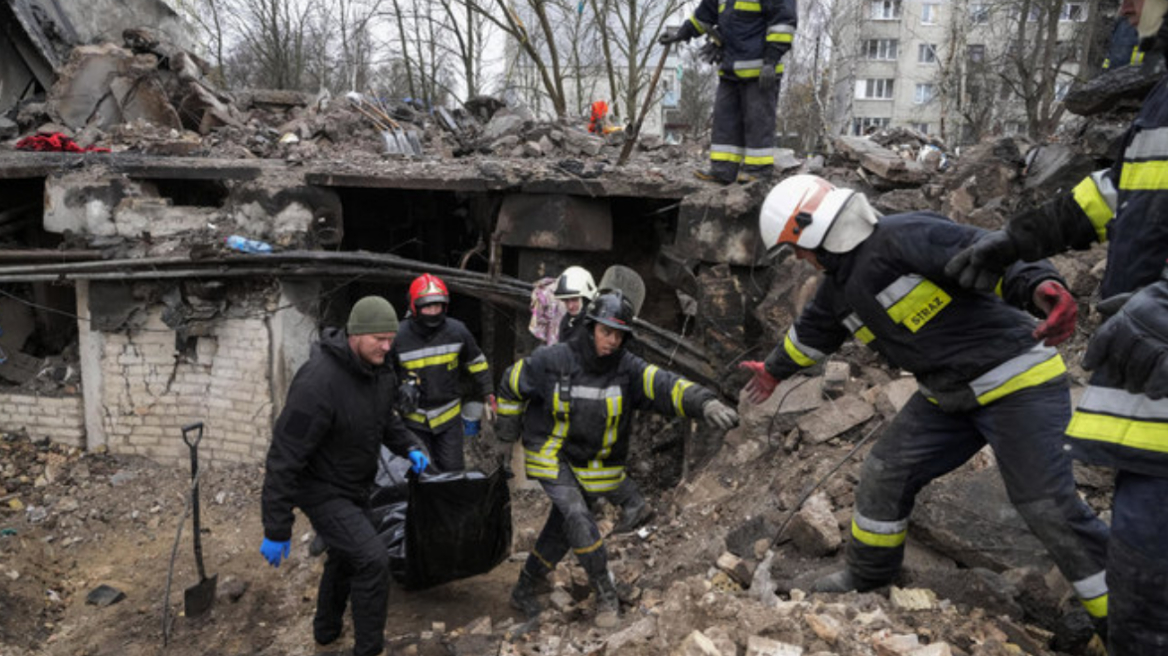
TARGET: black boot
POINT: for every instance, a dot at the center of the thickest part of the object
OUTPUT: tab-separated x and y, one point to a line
523	595
607	602
844	581
632	517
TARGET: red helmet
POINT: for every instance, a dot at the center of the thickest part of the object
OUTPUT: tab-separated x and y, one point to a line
427	289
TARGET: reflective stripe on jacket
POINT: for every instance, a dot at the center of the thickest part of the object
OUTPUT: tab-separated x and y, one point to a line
440	357
966	348
752	32
584	417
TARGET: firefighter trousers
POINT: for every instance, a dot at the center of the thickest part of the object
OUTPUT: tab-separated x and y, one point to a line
1025	431
444	443
570	525
1137	567
744	128
357	569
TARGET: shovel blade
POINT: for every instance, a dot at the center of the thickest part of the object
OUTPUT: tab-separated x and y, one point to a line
199	598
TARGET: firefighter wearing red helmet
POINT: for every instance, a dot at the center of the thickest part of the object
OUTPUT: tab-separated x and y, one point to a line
431	353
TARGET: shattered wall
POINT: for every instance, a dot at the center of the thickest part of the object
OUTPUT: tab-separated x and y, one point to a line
151	391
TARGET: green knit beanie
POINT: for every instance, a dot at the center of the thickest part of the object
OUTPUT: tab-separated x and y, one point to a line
372	314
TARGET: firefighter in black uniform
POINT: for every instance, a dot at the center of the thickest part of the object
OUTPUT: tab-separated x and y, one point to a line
576	400
431	353
752	36
1122	418
323	459
986	374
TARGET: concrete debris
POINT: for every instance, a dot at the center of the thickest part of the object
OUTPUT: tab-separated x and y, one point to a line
814	529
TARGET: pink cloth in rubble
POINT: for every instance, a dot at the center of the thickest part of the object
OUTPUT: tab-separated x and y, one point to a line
546	311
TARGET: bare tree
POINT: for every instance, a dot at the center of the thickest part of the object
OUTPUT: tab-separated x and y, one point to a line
695	103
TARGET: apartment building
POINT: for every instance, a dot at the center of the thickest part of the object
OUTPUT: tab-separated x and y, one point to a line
933	65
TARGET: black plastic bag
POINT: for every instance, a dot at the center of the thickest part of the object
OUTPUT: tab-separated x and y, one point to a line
457	525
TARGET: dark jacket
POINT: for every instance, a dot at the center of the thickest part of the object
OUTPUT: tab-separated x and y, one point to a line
327	440
439	356
1126	206
570	325
578	408
753	32
965	348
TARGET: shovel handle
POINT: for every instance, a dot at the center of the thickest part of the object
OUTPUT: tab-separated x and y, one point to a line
192	428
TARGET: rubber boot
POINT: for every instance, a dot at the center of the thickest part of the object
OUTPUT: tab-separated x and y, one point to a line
523	595
607	602
632	517
843	581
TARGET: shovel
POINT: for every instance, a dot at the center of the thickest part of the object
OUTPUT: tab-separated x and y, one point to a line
198	598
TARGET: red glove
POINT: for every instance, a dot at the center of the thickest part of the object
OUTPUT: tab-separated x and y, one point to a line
490	408
763	384
1061	313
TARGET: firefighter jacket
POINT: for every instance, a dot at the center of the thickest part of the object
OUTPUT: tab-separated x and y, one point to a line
753	32
326	441
966	349
578	408
1127	206
439	356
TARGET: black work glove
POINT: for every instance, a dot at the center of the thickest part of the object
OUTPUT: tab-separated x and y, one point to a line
983	262
409	394
719	415
1132	346
767	77
677	35
711	53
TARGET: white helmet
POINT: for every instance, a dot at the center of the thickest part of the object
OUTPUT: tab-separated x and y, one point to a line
1151	18
575	281
810	212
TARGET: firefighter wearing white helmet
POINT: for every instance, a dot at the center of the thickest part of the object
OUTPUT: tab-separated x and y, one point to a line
1119	421
986	373
576	288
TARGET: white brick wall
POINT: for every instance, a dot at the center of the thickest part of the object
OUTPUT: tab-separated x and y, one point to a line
61	419
150	395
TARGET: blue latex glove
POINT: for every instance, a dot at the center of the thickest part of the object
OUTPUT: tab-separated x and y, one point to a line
420	461
274	552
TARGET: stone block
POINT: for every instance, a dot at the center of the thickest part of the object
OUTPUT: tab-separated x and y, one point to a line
639	632
896	644
814	529
696	644
759	646
835	418
825	627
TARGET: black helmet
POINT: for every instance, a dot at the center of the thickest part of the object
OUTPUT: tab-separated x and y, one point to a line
613	310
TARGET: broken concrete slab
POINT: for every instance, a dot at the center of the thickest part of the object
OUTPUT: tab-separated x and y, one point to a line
882	161
759	646
721	225
144	99
967	516
555	222
834	418
1055	168
814	529
81	93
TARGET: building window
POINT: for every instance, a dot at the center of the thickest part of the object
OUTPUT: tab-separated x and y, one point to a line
923	128
927	53
886	10
976	53
867	125
924	93
1073	12
979	14
874	89
929	12
884	49
1015	127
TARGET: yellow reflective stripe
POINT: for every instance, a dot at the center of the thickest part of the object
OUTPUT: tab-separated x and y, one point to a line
878	539
509	408
1096	607
613	405
743	5
476	367
445	416
445	358
1036	375
795	354
1094	205
514	380
1144	176
781	38
649	376
998	287
698	24
864	335
725	157
1132	433
759	161
541	559
678	395
754	72
416	418
589	549
919	306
